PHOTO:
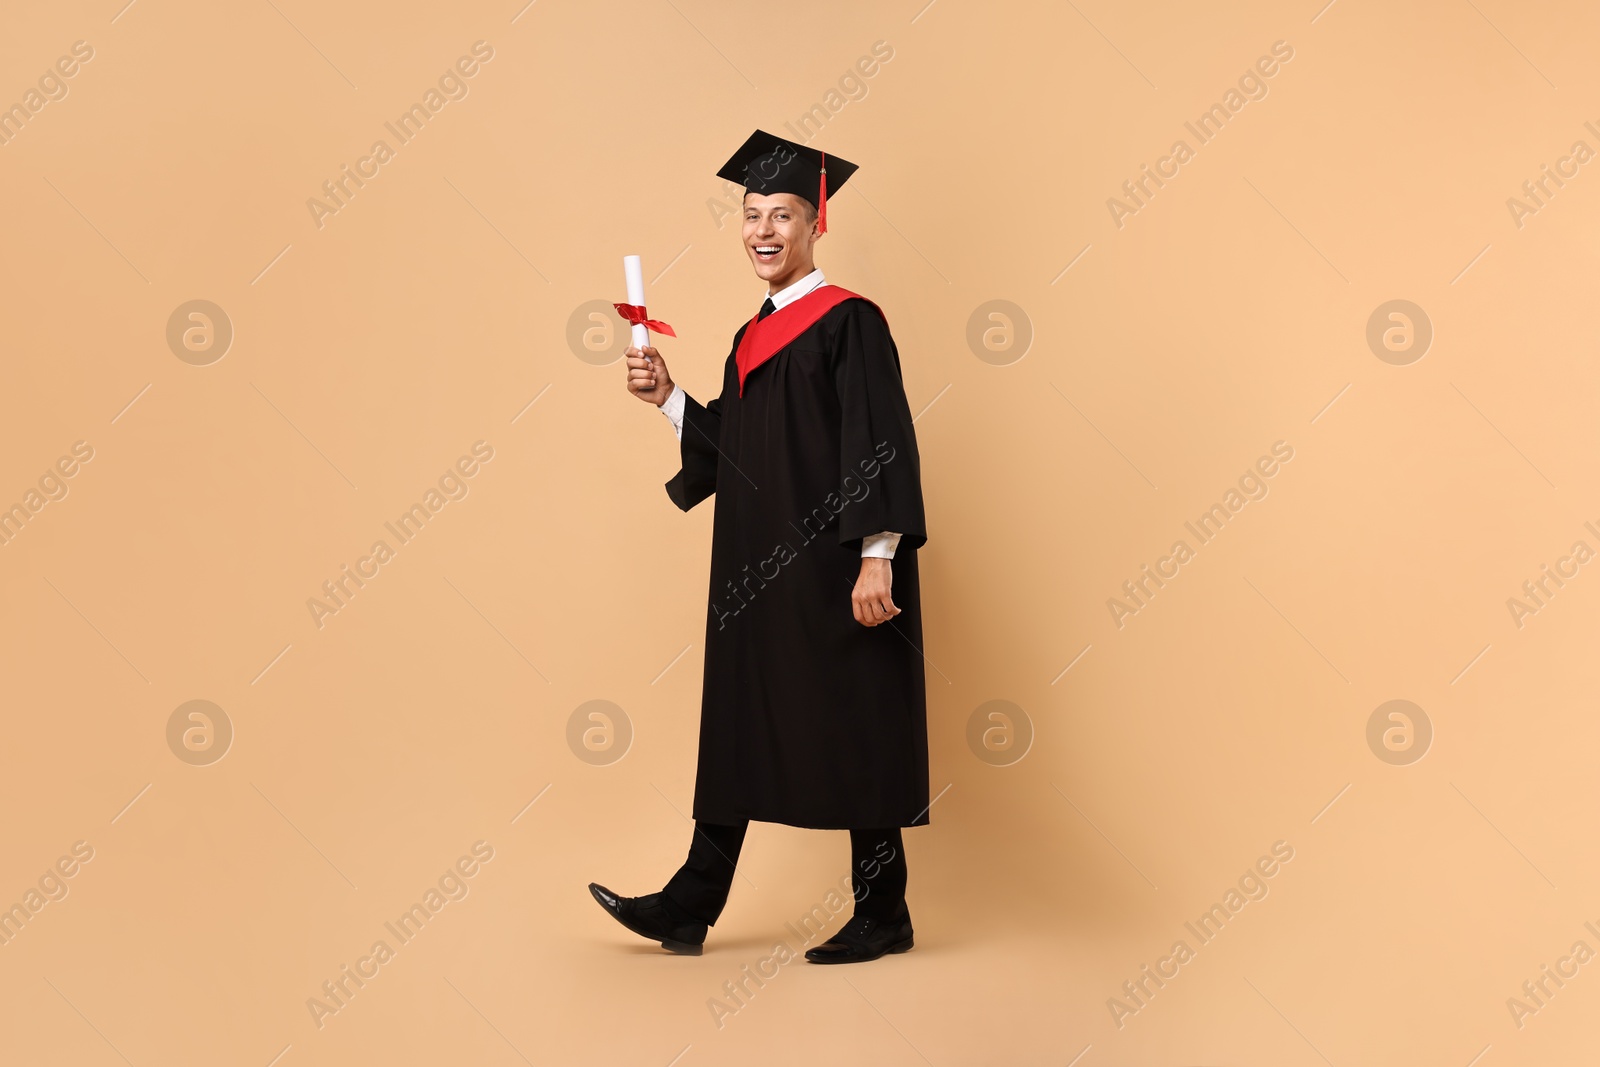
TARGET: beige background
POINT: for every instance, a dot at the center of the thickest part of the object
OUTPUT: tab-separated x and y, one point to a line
1230	312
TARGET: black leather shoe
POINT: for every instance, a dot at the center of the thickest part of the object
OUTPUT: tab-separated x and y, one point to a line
647	917
863	938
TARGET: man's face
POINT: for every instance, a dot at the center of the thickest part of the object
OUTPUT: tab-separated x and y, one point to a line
778	238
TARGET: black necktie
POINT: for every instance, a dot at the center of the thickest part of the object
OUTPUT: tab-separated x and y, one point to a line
767	308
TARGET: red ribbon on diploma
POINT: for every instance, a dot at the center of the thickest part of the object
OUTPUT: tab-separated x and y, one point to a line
635	315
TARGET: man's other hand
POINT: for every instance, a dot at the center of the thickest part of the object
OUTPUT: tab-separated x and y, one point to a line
870	599
647	375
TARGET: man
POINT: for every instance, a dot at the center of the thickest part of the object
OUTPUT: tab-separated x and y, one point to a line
813	711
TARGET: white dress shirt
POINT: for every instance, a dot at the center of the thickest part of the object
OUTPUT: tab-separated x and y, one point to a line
880	545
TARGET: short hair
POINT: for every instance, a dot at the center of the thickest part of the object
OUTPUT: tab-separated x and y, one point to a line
811	209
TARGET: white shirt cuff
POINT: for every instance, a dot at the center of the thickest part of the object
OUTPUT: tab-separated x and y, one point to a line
880	546
672	408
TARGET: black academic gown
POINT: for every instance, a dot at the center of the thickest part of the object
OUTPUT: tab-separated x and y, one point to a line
808	717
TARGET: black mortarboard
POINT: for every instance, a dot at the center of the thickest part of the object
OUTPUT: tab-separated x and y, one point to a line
766	164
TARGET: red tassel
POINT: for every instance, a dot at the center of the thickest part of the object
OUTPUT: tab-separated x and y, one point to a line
822	197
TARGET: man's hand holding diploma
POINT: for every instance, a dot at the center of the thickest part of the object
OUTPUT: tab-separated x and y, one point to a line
647	375
647	372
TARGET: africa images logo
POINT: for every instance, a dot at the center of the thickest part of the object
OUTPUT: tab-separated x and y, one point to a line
452	85
783	553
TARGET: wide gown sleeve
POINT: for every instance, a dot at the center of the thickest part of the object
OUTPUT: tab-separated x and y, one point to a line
878	446
702	426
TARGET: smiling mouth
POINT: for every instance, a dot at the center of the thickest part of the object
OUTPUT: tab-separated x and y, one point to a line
767	253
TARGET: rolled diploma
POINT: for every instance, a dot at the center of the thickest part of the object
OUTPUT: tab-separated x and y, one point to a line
634	273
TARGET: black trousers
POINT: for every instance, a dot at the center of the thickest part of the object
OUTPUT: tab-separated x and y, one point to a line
877	871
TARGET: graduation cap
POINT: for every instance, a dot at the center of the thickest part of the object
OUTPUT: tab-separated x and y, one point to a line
767	164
